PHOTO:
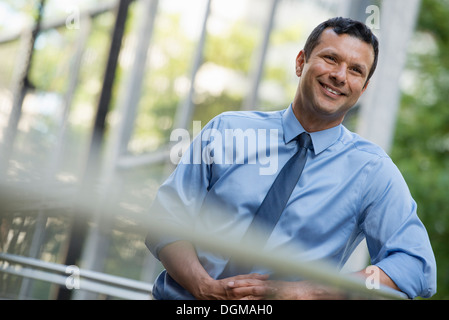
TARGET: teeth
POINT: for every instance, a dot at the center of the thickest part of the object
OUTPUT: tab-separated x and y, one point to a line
332	91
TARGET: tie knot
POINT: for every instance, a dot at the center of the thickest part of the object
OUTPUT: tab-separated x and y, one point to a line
304	140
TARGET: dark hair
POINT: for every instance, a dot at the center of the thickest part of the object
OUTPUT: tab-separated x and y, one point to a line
344	26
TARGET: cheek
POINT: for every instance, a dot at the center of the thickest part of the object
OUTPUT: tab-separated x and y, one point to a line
311	73
320	69
357	87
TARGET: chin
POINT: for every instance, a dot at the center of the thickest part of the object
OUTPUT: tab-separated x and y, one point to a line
328	110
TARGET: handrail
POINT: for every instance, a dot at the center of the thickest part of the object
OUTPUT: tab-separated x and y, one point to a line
12	35
279	261
63	275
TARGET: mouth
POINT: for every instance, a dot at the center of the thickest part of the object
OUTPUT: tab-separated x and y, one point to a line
331	90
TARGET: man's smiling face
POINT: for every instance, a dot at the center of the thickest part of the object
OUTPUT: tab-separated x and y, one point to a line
334	76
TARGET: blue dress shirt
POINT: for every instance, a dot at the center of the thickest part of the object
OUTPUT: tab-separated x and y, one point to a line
349	190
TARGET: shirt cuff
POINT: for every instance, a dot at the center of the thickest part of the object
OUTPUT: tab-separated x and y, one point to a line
407	273
155	245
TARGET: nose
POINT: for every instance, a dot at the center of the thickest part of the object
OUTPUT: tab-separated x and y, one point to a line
338	74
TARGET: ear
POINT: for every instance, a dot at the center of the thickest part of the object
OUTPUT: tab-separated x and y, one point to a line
300	61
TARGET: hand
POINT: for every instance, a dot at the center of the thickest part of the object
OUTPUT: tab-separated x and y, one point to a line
254	288
181	262
247	285
257	289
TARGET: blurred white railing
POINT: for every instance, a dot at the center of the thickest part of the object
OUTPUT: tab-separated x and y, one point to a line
75	278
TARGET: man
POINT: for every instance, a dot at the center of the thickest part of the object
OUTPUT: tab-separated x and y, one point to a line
349	188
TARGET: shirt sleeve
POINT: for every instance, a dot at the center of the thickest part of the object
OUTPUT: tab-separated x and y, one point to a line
180	197
396	238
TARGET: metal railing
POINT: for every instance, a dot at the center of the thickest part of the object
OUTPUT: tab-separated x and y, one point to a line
75	278
281	261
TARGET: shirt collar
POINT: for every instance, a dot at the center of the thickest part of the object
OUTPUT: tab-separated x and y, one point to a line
321	140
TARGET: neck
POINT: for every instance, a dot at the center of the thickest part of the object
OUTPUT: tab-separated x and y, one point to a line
312	122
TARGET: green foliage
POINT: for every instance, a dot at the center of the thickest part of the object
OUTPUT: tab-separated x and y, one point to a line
169	64
421	145
234	48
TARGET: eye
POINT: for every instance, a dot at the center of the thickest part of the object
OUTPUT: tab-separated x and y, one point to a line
356	70
330	58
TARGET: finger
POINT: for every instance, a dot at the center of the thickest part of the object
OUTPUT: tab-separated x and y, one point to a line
253	287
252	276
245	283
251	298
259	276
258	291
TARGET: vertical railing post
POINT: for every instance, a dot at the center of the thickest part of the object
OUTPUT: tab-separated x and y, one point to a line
251	98
185	109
